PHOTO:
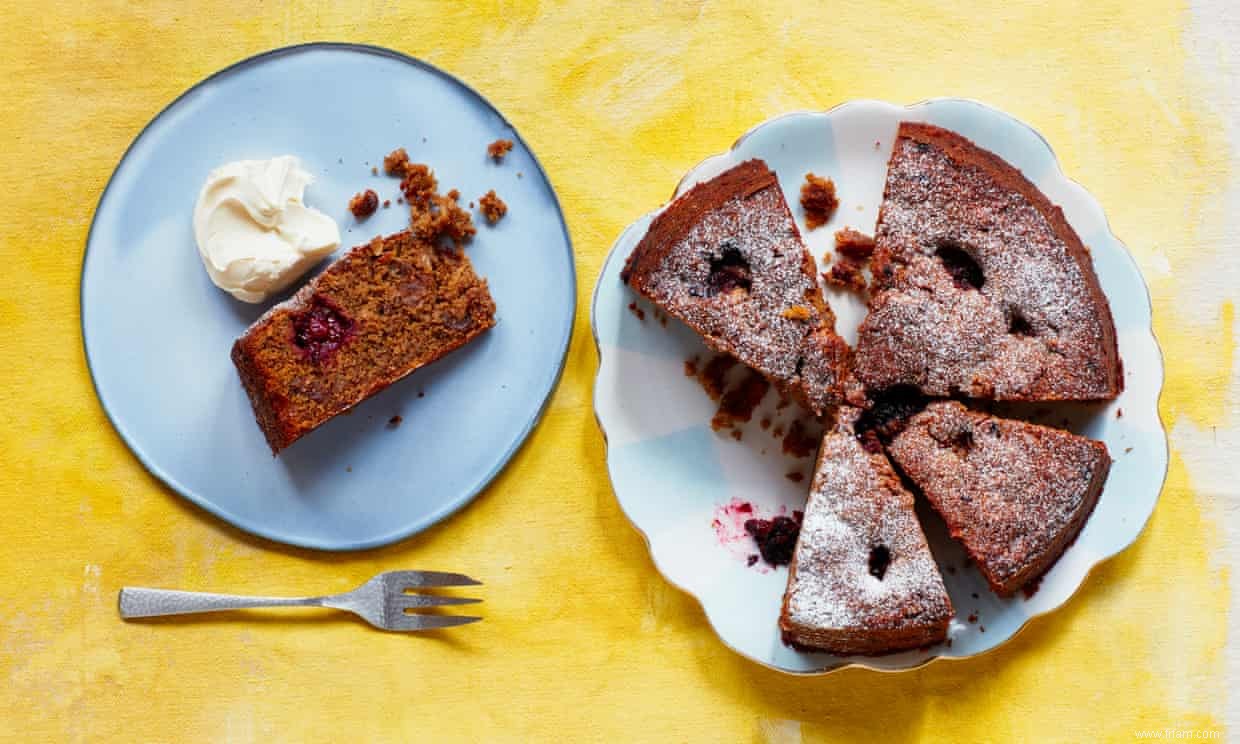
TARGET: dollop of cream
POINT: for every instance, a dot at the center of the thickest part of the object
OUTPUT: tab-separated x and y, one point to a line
255	234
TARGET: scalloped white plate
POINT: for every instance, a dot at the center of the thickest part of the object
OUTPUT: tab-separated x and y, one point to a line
671	472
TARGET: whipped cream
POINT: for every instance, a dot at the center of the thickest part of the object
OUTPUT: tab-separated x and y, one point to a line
254	233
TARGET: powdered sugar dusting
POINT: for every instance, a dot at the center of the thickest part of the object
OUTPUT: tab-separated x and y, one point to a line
1034	329
856	505
1014	492
772	325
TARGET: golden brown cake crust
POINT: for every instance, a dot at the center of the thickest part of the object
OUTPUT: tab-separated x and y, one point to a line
726	259
980	285
373	316
1014	494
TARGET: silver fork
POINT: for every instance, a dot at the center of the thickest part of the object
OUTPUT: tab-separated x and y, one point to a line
383	601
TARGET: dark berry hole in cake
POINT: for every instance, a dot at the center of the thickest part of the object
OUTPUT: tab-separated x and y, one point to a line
886	418
776	538
880	559
965	272
1018	324
321	329
729	272
961	442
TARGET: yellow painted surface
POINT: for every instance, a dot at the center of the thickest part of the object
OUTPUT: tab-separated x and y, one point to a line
583	640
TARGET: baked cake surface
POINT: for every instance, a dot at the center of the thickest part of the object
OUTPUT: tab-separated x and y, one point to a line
862	579
980	286
373	316
726	259
1014	494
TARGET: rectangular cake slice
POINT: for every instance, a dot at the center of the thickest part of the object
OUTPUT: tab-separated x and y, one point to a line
862	579
1014	494
726	259
376	314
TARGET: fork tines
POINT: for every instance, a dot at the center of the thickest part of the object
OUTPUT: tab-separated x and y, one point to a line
402	601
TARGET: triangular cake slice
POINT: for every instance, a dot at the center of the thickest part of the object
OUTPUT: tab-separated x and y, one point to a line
981	288
862	579
1014	494
726	259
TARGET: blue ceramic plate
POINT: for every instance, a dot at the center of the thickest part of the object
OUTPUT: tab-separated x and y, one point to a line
674	476
158	333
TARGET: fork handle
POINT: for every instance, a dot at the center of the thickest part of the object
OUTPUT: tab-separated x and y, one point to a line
140	602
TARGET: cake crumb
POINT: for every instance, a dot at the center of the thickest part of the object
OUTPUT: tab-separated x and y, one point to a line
818	200
387	203
433	216
736	434
394	422
418	183
637	311
395	162
364	204
498	149
737	404
374	170
765	423
421	393
795	476
846	274
797	312
691	369
798	442
1119	413
493	208
712	376
854	244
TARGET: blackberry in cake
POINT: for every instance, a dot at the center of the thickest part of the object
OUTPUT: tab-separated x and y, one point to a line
726	259
373	316
1014	494
980	287
862	578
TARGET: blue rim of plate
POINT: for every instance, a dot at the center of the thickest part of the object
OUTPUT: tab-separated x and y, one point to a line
467	496
1162	369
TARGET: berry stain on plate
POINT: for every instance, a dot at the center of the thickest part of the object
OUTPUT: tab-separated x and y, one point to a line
763	541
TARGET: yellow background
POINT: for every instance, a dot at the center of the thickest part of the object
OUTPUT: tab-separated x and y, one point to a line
583	640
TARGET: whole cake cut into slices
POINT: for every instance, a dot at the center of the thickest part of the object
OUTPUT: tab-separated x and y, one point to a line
1014	494
980	287
376	314
862	579
726	258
